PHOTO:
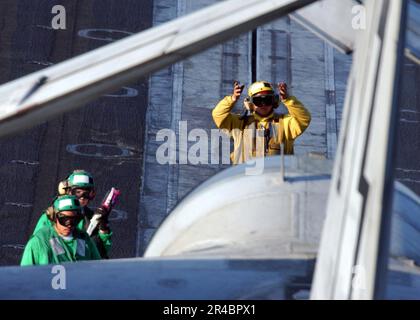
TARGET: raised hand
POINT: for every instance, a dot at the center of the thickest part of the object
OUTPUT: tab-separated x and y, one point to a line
237	90
282	86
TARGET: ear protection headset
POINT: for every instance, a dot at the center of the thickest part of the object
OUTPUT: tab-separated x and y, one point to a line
63	186
50	213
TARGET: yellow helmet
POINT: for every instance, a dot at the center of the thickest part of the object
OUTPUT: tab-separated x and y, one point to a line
259	86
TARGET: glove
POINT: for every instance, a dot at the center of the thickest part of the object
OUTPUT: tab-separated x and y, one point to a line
103	223
237	90
282	86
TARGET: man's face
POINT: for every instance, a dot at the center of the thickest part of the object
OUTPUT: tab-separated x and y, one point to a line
84	195
66	221
263	104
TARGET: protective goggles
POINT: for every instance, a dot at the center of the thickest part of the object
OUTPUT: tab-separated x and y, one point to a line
263	100
83	193
68	221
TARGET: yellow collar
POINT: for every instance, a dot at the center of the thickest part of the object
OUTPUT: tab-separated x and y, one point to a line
263	119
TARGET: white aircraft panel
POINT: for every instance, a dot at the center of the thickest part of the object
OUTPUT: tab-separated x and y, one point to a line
332	21
355	235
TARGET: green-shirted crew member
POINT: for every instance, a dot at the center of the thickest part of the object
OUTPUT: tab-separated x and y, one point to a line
80	184
61	241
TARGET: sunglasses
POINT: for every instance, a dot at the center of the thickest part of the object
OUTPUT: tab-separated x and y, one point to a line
266	100
68	221
86	194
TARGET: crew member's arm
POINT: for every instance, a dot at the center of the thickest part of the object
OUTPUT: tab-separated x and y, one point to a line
106	239
221	113
104	233
298	118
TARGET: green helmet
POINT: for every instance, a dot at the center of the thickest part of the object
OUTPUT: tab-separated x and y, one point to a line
66	203
80	179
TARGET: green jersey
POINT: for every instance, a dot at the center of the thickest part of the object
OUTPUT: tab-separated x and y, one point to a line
103	243
47	247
